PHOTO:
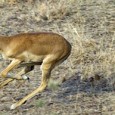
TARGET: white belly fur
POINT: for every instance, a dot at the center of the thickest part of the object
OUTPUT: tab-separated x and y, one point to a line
29	57
32	57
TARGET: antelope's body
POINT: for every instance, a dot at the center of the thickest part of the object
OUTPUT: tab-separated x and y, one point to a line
49	49
35	47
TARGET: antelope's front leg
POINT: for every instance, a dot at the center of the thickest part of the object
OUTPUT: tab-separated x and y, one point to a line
18	76
13	64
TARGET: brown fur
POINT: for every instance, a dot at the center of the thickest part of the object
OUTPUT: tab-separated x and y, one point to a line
49	49
34	43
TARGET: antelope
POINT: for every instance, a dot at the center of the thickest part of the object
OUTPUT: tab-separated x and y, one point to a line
30	49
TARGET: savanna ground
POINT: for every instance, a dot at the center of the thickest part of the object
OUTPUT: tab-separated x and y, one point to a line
88	75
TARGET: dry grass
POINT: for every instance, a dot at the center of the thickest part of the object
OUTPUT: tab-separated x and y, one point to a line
89	26
12	2
94	56
52	9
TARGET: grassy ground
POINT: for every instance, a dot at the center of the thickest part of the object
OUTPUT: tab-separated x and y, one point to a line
89	87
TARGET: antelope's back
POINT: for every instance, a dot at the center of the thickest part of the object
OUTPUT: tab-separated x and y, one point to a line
50	43
43	44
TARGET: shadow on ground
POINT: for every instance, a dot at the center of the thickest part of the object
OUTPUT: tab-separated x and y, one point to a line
76	85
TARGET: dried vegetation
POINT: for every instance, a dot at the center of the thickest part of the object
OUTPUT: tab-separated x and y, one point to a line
90	70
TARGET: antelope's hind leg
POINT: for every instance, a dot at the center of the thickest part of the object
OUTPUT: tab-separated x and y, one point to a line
46	71
18	76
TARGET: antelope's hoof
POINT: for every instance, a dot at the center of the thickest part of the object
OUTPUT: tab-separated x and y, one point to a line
13	106
25	77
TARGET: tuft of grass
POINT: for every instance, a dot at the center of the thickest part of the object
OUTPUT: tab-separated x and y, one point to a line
4	113
40	103
53	85
53	10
